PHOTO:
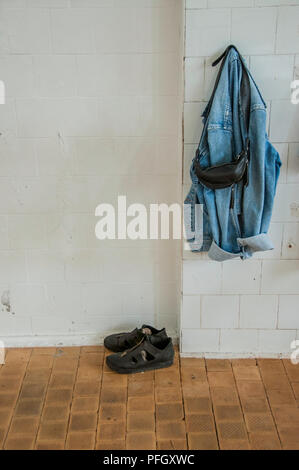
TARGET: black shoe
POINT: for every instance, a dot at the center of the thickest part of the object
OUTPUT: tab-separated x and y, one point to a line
119	342
153	352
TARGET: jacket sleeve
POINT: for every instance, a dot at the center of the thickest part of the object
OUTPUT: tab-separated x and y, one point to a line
272	170
264	168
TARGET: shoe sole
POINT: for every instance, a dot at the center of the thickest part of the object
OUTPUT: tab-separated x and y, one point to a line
132	371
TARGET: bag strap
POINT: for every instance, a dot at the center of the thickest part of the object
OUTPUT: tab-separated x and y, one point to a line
223	56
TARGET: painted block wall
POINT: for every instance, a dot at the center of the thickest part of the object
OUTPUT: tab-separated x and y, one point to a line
245	308
93	111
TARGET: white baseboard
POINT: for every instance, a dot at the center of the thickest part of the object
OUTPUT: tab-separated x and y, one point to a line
48	341
59	340
220	355
97	339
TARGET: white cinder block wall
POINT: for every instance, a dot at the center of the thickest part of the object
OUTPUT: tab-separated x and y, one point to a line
252	307
93	110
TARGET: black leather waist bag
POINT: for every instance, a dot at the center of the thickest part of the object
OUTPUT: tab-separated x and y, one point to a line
223	175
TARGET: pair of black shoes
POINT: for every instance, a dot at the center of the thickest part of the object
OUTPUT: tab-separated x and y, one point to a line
142	349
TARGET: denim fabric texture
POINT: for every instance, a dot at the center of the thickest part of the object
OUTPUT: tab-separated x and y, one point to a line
242	230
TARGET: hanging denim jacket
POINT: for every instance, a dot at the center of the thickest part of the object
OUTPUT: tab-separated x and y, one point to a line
238	231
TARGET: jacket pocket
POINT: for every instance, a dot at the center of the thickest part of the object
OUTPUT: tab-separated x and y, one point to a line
220	142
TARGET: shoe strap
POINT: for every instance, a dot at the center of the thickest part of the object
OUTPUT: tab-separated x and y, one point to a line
128	338
133	348
143	344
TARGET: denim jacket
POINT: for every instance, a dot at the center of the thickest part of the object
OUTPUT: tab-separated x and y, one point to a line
239	231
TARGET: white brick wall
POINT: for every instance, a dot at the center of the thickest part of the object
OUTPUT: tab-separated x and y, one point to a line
220	311
93	110
246	308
